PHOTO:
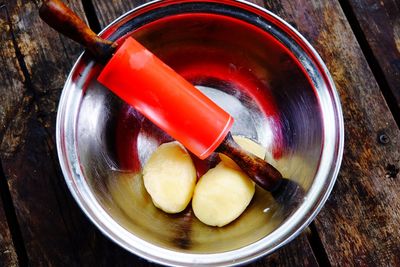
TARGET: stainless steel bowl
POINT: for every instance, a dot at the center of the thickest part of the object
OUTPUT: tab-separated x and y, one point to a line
250	62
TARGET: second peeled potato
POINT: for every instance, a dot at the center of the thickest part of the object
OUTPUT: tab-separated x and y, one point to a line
224	192
221	195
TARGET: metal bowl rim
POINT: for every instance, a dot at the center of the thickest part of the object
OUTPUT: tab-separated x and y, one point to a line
87	201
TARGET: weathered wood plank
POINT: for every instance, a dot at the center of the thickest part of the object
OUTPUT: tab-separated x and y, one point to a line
36	61
296	253
380	25
8	256
24	147
12	87
108	11
359	223
351	233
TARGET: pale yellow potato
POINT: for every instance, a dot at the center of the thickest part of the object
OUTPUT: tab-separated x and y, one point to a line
169	177
248	145
221	195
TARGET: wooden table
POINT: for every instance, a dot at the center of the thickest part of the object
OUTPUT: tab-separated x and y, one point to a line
41	225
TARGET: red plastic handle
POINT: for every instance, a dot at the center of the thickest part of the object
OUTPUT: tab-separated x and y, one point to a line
168	100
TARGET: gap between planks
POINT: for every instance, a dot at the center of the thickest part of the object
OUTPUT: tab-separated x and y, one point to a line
91	15
12	221
21	63
371	59
5	194
317	246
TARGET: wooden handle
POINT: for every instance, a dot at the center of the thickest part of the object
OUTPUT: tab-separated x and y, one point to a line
58	16
261	172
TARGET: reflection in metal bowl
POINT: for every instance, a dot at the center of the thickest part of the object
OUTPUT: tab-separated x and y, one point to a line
257	68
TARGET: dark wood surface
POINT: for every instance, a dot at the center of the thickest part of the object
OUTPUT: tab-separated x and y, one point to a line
359	224
41	225
377	24
8	257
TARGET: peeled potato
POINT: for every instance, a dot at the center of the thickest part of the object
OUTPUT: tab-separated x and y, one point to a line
221	195
248	145
169	177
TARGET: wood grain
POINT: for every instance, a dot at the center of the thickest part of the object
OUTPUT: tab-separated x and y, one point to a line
359	223
27	162
379	22
12	87
8	256
296	253
36	62
108	11
61	18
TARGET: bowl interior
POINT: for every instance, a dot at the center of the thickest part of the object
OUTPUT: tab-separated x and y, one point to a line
246	71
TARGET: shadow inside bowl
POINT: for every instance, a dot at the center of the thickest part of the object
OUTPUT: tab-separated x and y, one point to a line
250	75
